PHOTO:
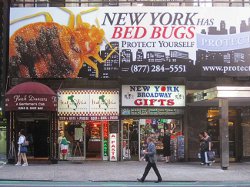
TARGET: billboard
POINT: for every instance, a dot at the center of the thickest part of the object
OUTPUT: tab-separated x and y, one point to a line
111	42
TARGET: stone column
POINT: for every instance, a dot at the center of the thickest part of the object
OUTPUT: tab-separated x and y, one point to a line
224	133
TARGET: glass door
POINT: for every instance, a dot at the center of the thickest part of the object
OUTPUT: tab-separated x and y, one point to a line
94	139
74	134
130	137
213	131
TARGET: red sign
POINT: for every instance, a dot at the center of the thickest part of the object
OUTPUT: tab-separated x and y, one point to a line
105	130
30	102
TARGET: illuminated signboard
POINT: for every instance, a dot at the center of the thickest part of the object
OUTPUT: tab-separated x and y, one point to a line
105	140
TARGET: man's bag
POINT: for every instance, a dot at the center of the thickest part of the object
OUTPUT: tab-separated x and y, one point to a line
210	155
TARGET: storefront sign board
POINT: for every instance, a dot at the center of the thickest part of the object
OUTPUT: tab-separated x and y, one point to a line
153	96
89	104
33	102
113	147
153	42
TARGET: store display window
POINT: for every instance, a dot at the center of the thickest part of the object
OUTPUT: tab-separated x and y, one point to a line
84	140
132	147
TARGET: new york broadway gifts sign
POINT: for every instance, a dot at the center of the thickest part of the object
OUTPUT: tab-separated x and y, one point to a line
153	42
153	95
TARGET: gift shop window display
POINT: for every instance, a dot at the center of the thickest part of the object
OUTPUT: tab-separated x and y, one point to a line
154	128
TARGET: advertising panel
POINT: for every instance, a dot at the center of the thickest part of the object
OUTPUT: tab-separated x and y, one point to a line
111	42
88	104
153	95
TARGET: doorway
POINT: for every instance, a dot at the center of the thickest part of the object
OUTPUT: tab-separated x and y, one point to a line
94	139
213	129
37	133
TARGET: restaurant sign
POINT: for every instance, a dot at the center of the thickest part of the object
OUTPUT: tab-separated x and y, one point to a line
153	95
88	104
113	147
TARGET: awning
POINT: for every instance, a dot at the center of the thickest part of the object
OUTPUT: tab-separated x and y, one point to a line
236	95
31	96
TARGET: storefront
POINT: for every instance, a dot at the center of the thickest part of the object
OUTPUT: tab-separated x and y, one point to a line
32	106
209	118
89	121
197	51
150	110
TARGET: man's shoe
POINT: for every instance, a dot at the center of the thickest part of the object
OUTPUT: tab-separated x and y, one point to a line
140	180
158	181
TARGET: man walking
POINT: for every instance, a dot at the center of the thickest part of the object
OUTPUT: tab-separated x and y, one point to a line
150	158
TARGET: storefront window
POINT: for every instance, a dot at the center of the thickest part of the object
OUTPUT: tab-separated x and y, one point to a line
86	140
72	148
140	129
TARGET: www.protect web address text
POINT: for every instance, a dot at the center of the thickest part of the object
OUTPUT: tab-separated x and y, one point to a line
226	69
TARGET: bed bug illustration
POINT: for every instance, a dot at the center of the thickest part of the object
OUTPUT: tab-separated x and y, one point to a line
48	49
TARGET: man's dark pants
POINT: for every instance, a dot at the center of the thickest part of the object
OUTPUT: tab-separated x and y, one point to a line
147	169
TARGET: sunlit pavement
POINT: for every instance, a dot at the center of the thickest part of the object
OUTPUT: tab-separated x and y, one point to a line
120	183
104	173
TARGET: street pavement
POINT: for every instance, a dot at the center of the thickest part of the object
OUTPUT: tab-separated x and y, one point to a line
126	173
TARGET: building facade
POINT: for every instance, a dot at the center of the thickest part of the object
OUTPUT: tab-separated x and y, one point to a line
145	85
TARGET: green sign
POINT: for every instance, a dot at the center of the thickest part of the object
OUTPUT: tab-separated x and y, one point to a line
151	111
105	147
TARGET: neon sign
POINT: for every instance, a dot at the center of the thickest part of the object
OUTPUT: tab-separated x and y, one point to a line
105	139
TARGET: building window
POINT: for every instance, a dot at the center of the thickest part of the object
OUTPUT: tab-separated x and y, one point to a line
98	3
203	3
57	3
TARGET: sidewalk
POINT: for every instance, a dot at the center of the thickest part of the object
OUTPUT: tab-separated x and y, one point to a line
124	171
